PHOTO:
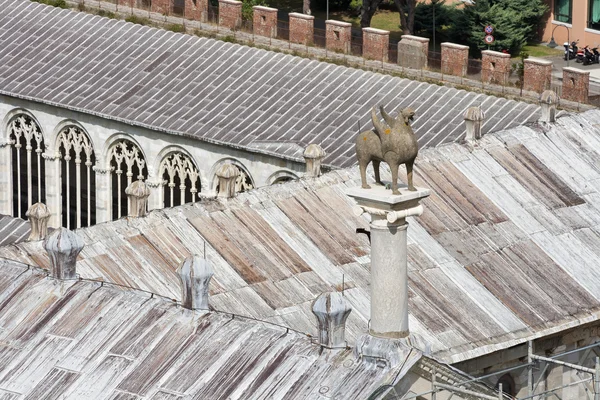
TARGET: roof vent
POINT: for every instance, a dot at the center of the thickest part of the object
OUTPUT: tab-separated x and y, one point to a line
313	156
195	274
474	118
548	101
38	215
332	310
227	174
62	247
138	193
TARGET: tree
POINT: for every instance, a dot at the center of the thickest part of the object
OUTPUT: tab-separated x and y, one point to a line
446	16
406	8
515	23
367	11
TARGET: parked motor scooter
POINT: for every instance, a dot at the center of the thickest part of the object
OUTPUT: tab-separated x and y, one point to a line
570	50
580	55
588	56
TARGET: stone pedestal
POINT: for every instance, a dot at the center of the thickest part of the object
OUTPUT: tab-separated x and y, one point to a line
576	85
537	74
196	10
455	59
389	279
230	14
302	28
265	21
160	6
376	43
413	52
495	67
338	36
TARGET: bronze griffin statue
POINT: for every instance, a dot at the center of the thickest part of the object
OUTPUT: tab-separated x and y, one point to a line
393	142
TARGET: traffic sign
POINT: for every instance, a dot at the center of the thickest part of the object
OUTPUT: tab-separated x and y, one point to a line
489	39
489	29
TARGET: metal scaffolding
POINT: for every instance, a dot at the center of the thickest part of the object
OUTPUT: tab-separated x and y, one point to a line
532	385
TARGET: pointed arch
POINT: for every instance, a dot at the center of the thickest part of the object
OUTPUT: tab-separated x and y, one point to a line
281	177
126	162
244	181
75	151
26	141
180	177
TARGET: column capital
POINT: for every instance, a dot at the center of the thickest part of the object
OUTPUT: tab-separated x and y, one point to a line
382	205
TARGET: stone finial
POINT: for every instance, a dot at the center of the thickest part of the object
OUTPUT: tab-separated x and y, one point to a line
313	154
474	118
548	101
138	193
62	247
195	274
331	310
38	215
227	174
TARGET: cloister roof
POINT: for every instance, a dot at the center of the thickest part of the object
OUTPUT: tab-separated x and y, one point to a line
79	340
221	92
13	230
506	251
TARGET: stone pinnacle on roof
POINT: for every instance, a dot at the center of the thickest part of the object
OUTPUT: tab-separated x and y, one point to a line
195	274
63	246
332	310
138	193
548	101
227	174
38	215
474	117
313	155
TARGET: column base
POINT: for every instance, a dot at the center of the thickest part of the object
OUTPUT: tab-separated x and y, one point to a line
391	352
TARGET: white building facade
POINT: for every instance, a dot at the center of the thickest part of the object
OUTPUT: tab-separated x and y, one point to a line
80	164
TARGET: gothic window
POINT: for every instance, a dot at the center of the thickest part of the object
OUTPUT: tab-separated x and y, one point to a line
28	172
78	183
182	180
243	182
127	164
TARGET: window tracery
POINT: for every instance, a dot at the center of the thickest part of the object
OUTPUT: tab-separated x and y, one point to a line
28	170
179	171
126	162
77	157
243	182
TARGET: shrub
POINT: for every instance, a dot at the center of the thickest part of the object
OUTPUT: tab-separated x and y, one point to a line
134	19
107	14
175	28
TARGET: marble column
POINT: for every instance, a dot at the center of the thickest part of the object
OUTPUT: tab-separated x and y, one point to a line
5	179
53	187
389	277
103	195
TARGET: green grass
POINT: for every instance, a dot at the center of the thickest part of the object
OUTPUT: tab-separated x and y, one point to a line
541	50
383	19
